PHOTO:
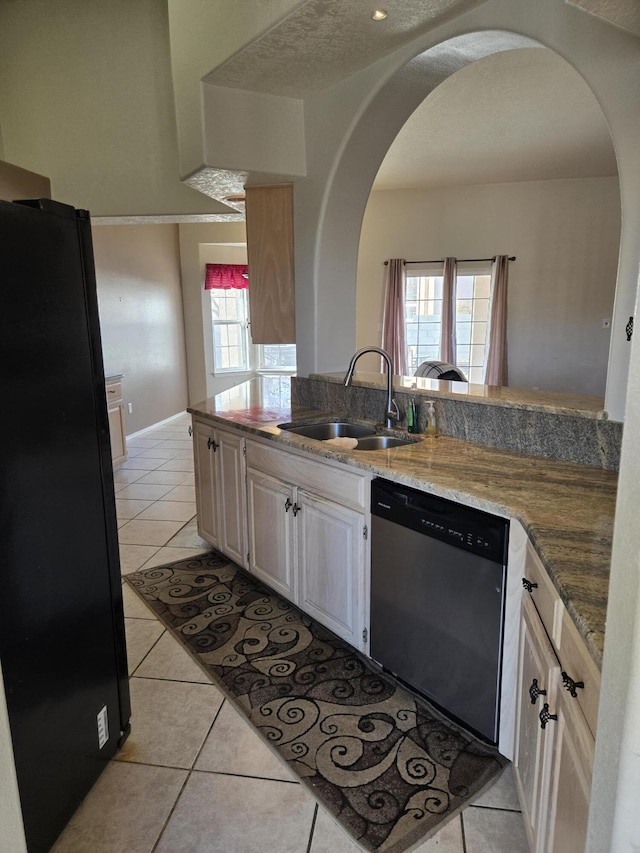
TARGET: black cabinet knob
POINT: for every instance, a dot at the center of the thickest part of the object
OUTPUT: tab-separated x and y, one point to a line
571	685
545	716
535	691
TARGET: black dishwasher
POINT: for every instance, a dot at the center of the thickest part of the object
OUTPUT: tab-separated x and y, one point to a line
438	583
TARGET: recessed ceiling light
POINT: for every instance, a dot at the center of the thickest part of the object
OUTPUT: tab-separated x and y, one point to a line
379	15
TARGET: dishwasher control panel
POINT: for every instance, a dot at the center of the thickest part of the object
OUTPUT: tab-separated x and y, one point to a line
460	525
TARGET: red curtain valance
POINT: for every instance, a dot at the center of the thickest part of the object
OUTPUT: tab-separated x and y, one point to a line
226	276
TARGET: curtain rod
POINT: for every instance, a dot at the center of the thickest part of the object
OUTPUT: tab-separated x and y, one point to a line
460	260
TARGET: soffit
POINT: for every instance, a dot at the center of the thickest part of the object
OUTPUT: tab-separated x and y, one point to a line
323	41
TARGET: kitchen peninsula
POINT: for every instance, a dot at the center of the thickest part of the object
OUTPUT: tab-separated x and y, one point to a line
296	512
566	509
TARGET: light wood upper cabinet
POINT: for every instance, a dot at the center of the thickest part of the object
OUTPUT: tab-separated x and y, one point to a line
269	212
17	183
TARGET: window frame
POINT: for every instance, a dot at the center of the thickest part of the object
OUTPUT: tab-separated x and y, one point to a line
219	370
435	271
254	358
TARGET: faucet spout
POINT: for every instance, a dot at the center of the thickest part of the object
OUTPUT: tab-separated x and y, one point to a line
392	414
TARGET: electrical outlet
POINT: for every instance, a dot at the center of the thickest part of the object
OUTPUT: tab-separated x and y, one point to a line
606	323
103	727
130	408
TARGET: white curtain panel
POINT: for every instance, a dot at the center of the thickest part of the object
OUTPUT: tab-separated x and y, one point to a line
393	338
448	328
495	369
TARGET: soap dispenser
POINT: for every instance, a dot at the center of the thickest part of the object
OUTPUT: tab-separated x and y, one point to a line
431	419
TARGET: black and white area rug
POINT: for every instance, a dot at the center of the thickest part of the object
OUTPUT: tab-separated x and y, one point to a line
387	765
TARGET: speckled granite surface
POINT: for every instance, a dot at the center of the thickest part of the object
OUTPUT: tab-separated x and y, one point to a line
566	509
569	427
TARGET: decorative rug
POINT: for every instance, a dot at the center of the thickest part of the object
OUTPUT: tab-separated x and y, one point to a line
385	764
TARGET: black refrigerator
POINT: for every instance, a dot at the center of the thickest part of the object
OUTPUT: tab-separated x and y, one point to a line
62	646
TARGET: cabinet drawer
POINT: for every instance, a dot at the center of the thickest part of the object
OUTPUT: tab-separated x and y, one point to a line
114	392
544	595
323	479
579	665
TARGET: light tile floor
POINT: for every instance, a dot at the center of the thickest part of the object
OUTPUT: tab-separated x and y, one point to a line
193	776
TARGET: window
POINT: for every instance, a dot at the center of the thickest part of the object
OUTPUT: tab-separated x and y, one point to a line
229	317
423	317
232	351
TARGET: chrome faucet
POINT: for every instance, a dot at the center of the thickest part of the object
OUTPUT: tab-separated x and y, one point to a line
392	414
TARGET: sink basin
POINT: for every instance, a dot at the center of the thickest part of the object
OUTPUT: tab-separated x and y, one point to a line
332	429
382	442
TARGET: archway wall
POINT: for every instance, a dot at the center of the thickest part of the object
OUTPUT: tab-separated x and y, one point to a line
350	126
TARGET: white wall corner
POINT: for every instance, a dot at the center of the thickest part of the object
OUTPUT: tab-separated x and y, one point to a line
253	132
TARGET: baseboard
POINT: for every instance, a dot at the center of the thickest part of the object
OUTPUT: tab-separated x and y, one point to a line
141	432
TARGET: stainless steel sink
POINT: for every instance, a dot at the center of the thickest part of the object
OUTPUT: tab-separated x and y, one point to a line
331	429
382	442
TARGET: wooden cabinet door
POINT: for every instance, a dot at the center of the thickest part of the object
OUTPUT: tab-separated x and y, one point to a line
570	778
331	560
232	538
269	214
538	668
204	447
270	510
117	434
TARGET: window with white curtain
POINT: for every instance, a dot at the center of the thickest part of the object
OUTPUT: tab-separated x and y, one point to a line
423	316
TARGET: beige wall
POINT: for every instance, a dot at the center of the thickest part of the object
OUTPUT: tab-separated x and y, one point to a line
566	237
141	317
86	98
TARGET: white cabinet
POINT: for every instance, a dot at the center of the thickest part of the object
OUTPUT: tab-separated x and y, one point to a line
331	554
537	685
220	489
558	689
115	412
271	558
308	525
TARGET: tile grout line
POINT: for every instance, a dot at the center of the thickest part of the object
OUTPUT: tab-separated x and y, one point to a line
462	832
313	827
171	811
148	652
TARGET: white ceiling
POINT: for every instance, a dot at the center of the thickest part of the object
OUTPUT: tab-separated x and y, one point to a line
322	41
521	115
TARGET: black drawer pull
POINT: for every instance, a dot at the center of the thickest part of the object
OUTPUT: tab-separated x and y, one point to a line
535	691
571	685
529	585
545	716
211	444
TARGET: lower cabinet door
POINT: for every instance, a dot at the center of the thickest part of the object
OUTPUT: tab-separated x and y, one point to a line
117	434
270	505
331	562
570	782
538	671
232	539
204	451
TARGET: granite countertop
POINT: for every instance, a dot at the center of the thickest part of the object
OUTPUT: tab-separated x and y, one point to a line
566	509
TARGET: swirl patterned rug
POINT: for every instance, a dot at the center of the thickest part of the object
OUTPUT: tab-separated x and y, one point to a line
387	766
